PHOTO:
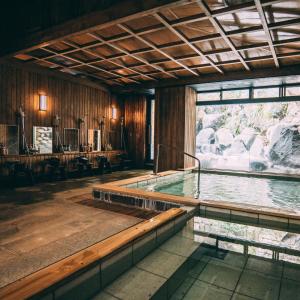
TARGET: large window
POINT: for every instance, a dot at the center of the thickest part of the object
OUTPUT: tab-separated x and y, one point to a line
257	137
235	94
292	91
266	92
211	96
259	94
150	130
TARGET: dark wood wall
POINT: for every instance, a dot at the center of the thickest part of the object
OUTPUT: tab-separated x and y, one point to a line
71	100
175	114
135	125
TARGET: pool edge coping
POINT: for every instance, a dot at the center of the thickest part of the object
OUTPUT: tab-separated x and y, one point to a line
119	187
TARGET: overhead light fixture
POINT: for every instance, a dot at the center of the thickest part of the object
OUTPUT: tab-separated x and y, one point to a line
43	102
113	113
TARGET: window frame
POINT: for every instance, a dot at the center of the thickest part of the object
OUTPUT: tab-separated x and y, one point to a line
281	95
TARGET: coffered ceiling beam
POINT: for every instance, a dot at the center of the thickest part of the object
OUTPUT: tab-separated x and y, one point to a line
222	32
102	58
266	30
95	36
89	48
231	62
164	21
216	77
154	47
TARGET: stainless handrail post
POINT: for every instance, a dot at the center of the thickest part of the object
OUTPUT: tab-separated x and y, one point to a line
180	151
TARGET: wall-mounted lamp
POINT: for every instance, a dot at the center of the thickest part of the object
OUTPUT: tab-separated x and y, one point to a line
43	102
113	113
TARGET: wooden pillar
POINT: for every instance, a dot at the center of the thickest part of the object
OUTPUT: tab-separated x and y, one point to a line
135	127
175	125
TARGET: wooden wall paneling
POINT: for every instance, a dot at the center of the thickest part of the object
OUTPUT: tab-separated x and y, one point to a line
169	125
21	87
175	125
190	126
3	134
135	127
115	125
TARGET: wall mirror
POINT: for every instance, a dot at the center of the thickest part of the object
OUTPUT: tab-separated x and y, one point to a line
94	139
43	139
71	139
9	139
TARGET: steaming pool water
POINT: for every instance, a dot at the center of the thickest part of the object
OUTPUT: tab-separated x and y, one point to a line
250	190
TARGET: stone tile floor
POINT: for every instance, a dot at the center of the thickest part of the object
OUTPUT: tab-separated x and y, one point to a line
228	275
42	224
212	278
212	274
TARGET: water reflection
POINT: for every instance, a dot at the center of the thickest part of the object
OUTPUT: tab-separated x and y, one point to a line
257	191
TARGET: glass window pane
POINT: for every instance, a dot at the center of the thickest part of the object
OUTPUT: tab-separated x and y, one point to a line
152	130
236	94
209	96
255	137
266	92
293	91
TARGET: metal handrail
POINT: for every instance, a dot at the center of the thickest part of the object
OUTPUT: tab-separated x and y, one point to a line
180	151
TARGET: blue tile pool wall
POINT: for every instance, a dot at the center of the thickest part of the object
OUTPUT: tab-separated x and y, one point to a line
92	279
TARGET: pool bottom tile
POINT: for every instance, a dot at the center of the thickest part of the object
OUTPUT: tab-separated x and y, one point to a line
197	268
180	292
290	289
143	246
237	296
104	296
221	275
265	266
291	271
116	264
178	277
205	291
136	284
180	245
161	263
258	285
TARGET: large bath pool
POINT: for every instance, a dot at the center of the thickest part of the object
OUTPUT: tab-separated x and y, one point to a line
257	191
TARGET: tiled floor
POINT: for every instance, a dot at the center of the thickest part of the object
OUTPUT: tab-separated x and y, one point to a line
42	224
149	277
45	223
209	274
227	275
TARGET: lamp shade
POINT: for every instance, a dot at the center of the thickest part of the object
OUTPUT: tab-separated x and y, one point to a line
113	113
43	102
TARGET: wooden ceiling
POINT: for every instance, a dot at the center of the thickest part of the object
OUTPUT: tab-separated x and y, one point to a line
200	37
